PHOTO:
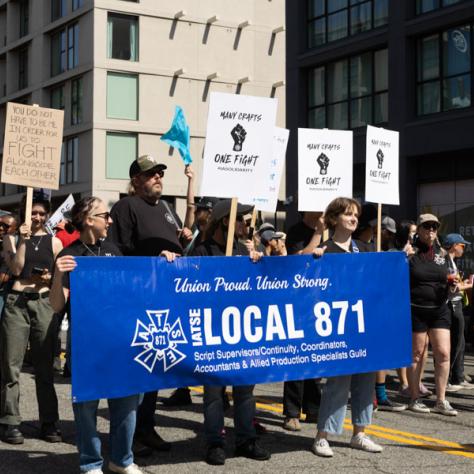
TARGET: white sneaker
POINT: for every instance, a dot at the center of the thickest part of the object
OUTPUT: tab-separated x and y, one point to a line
363	442
445	408
466	385
321	448
95	471
418	407
453	388
130	469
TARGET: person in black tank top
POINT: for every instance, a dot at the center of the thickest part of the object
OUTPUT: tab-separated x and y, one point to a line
341	217
27	306
91	218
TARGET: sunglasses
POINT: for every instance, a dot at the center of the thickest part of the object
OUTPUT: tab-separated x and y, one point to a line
430	226
151	173
38	213
104	215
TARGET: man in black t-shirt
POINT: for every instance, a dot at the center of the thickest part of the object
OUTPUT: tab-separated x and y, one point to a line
302	395
145	225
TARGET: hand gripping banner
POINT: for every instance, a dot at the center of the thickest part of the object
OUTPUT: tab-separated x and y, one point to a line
141	324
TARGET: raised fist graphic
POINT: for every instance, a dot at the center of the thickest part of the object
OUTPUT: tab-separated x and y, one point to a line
238	134
323	162
380	157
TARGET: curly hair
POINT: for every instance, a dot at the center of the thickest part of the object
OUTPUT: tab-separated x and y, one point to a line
81	210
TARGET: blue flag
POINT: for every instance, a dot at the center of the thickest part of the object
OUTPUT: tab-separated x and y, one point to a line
140	323
178	135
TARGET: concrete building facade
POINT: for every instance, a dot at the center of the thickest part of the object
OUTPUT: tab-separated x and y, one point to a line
118	68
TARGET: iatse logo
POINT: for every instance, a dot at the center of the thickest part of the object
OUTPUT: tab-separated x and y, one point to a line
158	339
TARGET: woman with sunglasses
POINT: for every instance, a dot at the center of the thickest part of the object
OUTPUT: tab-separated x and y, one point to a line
430	314
91	219
28	317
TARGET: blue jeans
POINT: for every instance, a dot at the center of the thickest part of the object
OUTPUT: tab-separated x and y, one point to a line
244	413
334	401
123	414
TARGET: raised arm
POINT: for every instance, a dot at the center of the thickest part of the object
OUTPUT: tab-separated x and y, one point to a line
189	218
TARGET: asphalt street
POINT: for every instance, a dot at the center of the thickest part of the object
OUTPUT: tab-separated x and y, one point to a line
412	442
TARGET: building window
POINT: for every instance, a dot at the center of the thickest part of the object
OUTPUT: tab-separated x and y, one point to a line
122	37
58	9
24	17
349	93
65	49
77	4
23	68
73	46
330	20
76	101
444	71
69	161
425	6
121	151
57	97
58	53
122	96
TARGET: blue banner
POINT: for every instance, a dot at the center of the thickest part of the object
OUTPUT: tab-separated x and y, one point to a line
141	324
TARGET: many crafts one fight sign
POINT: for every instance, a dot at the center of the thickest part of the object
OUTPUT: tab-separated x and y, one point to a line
32	146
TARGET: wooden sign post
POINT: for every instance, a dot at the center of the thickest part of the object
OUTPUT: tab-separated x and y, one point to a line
231	229
379	227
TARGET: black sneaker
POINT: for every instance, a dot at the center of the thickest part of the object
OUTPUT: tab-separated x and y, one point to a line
153	440
179	398
389	405
50	433
12	435
140	450
252	450
215	455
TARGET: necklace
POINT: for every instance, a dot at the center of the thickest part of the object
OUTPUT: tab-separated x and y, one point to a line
90	250
36	246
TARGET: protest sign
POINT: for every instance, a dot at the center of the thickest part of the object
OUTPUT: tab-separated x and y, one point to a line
58	215
228	321
239	146
324	167
381	168
32	146
267	199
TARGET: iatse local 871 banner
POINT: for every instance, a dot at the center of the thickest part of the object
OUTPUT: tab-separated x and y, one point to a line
140	324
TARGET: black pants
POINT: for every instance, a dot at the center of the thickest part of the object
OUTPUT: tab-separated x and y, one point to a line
146	414
301	395
458	344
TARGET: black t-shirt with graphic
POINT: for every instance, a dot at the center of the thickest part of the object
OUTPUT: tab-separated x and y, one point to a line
143	229
428	276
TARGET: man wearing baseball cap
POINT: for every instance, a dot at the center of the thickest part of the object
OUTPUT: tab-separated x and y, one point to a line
145	225
455	244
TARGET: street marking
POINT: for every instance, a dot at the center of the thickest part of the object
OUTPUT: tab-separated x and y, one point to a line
385	433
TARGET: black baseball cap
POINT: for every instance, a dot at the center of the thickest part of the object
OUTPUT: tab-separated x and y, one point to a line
145	163
207	203
222	209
